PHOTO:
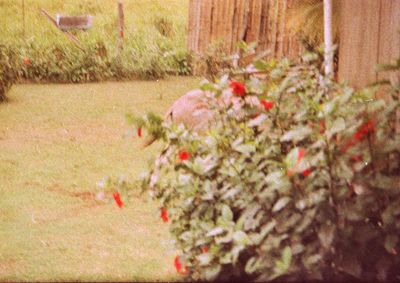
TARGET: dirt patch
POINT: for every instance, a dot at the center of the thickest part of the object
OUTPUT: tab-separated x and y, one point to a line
85	196
88	202
7	267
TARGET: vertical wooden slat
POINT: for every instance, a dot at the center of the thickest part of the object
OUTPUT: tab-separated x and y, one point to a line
230	21
389	34
263	26
207	24
359	40
197	25
229	25
255	11
191	19
282	28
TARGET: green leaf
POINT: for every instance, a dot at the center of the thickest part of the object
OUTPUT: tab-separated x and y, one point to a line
211	273
241	238
282	265
256	122
337	126
204	258
297	134
281	203
391	242
252	265
326	235
215	231
257	238
260	65
245	148
227	213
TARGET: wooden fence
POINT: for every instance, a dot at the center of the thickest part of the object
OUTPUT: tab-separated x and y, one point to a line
369	31
369	34
229	21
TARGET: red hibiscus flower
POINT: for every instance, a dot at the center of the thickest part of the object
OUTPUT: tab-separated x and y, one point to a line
358	136
238	88
347	146
183	270
356	158
139	132
267	104
204	249
368	127
307	172
118	200
300	155
26	61
183	155
164	215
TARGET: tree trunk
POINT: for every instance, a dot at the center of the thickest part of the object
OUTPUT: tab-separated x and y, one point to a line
328	38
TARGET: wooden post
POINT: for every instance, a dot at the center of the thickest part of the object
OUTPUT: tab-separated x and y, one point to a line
120	24
23	20
328	37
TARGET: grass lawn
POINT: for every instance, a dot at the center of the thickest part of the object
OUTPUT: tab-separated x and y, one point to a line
56	142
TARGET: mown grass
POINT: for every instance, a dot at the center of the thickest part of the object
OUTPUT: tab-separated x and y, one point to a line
56	142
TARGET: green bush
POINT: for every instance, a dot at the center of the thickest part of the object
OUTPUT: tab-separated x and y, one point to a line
96	62
8	70
297	177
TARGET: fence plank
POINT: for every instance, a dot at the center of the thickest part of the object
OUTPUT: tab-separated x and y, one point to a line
230	21
389	41
359	37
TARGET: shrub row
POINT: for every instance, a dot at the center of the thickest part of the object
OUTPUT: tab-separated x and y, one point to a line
8	71
298	177
94	62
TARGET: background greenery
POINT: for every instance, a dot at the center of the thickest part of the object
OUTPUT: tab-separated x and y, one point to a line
154	43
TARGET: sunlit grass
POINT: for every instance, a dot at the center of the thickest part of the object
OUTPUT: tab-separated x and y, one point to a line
56	142
139	20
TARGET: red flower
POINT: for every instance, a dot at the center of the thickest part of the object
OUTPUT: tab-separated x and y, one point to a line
204	249
255	115
359	135
267	104
365	129
394	251
347	146
307	172
183	270
368	127
139	132
356	158
26	61
118	200
184	155
238	88
164	215
178	264
300	155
